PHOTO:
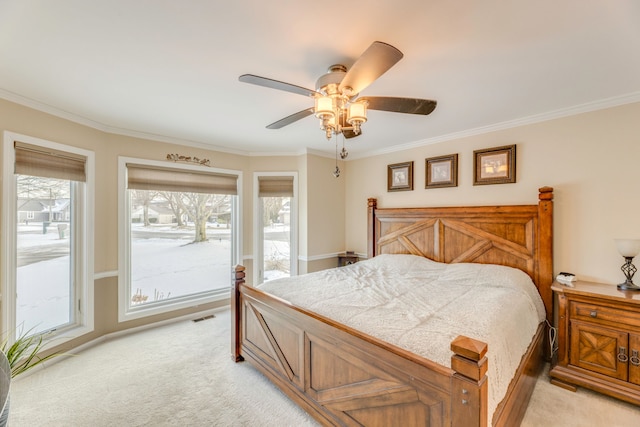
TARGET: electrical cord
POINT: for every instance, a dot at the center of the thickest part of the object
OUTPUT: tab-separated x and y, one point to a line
553	334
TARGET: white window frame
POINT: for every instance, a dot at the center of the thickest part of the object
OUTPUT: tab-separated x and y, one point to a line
125	310
83	233
258	226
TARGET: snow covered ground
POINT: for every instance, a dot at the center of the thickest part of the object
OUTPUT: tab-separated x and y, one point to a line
164	264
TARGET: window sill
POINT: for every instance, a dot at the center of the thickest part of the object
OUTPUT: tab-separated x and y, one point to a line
154	309
62	336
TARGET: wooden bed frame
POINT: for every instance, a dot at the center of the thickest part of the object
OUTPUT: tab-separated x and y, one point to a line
344	377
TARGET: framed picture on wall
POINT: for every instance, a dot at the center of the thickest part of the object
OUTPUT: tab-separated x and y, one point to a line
495	165
400	176
441	171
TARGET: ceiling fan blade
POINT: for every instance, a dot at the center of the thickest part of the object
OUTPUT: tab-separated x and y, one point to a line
290	119
374	62
400	105
275	84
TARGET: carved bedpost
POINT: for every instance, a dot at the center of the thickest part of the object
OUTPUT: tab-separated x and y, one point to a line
371	231
545	246
469	396
238	279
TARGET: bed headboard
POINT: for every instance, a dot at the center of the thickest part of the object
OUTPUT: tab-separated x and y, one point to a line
519	236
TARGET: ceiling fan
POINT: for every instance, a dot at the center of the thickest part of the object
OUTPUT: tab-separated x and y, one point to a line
336	101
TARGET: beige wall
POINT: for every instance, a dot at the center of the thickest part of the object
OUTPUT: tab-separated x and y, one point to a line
324	215
320	209
261	164
590	159
107	147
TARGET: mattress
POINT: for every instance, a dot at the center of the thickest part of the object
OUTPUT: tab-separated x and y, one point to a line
422	305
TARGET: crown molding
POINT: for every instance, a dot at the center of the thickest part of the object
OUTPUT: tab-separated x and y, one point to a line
551	115
75	118
538	118
48	109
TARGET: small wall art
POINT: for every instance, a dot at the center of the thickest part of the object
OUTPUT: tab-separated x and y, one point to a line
441	171
495	165
400	176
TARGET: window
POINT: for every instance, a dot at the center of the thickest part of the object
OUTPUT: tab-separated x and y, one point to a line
47	271
179	237
275	240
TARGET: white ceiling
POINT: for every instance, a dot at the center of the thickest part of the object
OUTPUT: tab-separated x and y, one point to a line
169	69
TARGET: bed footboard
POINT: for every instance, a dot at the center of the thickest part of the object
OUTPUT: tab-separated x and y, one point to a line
343	377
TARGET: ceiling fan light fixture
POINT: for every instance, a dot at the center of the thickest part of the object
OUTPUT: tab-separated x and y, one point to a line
325	110
324	107
336	102
357	115
357	111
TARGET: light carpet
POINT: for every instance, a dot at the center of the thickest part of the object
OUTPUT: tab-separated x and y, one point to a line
182	375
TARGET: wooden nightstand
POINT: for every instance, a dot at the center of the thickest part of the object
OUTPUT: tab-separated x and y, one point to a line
347	259
598	339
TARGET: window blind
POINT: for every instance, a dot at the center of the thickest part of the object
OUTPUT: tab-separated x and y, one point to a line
45	162
275	186
145	177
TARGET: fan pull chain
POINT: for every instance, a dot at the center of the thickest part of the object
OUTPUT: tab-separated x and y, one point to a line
336	172
344	153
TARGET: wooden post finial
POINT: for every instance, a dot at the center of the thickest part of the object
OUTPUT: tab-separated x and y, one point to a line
470	392
372	204
545	193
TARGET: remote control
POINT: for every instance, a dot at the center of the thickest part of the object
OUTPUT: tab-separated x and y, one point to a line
566	279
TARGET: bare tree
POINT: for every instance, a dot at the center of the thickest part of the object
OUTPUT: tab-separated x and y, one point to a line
144	198
175	204
200	207
271	207
35	187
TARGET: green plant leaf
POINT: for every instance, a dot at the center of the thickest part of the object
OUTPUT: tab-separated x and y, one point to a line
22	354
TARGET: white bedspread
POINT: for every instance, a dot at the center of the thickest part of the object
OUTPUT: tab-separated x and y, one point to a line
422	305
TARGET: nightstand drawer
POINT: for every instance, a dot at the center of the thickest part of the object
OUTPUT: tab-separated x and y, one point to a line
595	312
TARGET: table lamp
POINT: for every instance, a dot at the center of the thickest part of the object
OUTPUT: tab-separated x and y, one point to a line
628	248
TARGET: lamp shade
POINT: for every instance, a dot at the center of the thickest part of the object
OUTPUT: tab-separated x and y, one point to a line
357	112
324	107
628	247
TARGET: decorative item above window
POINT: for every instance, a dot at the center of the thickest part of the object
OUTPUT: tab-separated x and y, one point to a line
188	159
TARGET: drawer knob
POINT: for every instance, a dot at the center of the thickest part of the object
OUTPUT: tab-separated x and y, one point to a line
594	313
634	359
